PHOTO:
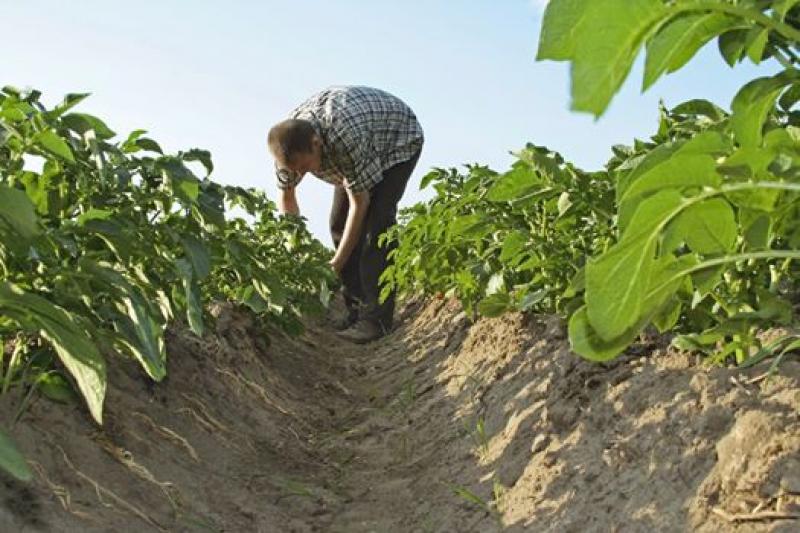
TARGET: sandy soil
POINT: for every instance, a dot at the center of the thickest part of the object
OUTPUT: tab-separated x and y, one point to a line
444	426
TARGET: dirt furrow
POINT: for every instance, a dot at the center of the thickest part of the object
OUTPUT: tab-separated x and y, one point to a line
444	426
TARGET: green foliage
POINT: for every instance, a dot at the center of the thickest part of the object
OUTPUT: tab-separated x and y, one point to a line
707	210
707	229
503	241
103	244
601	38
694	231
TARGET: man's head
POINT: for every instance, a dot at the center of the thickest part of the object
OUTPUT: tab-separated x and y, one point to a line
296	146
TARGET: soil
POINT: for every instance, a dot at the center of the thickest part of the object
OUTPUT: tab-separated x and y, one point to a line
444	426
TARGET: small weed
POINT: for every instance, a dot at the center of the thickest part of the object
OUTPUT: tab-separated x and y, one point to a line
407	395
470	497
480	439
778	349
293	488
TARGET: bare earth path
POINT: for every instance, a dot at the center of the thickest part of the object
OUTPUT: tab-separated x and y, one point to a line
444	426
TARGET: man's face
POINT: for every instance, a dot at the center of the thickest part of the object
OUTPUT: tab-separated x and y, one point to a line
304	162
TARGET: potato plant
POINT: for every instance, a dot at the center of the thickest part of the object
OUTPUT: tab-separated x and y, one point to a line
695	231
506	241
104	242
704	215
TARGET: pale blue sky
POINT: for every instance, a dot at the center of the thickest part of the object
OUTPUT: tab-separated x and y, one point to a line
216	75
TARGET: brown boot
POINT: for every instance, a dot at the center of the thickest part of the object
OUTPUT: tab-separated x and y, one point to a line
362	332
344	320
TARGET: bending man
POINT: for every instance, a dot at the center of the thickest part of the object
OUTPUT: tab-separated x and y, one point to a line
366	143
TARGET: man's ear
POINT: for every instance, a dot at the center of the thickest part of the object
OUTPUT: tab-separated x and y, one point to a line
316	141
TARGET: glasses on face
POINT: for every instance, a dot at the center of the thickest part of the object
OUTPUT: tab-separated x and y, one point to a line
286	175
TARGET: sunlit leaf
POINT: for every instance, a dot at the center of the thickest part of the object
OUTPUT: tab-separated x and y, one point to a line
71	341
52	143
677	42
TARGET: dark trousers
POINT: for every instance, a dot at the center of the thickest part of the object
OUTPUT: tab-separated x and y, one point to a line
360	275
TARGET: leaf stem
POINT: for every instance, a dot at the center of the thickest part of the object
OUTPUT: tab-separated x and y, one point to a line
734	187
767	254
742	12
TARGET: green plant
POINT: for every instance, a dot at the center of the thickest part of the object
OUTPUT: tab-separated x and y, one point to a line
479	437
701	217
782	346
694	231
103	243
471	498
503	241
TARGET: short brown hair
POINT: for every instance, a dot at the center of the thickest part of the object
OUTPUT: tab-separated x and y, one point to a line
291	137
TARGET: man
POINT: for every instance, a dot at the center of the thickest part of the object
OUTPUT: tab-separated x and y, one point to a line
366	143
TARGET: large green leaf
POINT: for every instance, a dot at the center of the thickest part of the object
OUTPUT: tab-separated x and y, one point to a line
585	341
139	326
757	228
666	319
676	165
466	224
210	206
782	7
143	143
603	59
679	40
666	275
72	343
52	143
643	165
617	281
559	29
708	227
183	183
753	103
11	460
681	170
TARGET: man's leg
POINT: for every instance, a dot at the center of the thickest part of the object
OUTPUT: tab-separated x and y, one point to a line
350	275
382	214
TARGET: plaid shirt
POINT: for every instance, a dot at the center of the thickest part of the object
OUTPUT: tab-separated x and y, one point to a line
364	132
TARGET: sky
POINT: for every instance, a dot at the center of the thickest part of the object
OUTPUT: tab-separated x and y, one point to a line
217	75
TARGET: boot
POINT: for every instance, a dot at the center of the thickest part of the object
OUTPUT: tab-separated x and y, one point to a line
362	332
344	320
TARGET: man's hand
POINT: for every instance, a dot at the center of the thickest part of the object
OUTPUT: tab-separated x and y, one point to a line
337	265
359	204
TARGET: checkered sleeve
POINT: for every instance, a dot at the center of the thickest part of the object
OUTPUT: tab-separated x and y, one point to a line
286	179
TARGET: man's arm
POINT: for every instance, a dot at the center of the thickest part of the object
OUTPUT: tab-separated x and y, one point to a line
287	202
357	211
